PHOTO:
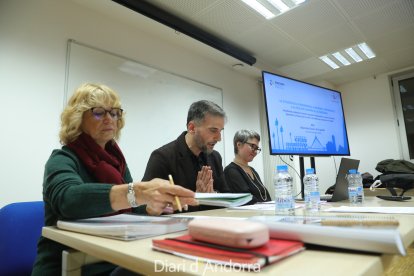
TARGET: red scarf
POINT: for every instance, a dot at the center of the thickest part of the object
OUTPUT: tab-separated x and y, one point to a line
107	166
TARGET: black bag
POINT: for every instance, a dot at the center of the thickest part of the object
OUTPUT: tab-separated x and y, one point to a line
396	174
389	166
367	179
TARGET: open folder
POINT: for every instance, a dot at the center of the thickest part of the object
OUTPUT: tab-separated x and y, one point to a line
223	199
126	226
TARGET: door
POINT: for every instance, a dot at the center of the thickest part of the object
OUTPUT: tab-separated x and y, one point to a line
403	87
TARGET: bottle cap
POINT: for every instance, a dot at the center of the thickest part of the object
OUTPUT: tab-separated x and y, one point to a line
282	168
310	171
352	171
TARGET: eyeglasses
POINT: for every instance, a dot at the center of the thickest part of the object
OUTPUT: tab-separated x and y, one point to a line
253	147
100	112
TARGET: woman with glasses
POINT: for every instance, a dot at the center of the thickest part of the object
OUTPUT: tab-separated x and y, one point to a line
240	177
89	177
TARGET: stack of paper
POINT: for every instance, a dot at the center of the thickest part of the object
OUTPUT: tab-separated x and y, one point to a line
126	226
223	199
371	239
255	258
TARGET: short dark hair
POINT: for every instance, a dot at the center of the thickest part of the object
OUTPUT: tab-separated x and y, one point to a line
199	109
242	136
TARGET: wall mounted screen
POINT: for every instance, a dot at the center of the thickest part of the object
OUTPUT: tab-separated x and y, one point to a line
303	119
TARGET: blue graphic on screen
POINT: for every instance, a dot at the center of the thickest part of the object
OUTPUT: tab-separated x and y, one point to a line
304	119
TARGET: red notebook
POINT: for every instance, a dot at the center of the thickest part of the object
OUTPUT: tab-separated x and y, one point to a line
269	253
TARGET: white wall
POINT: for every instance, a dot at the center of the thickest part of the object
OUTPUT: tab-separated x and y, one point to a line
33	36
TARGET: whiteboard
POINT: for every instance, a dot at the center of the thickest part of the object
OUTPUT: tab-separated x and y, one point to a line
155	102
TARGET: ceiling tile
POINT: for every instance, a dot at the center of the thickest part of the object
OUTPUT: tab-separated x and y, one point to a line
356	72
391	41
331	40
358	8
263	39
305	69
310	19
229	19
284	55
401	58
184	8
387	19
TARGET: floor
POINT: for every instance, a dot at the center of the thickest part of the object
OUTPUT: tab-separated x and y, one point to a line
402	266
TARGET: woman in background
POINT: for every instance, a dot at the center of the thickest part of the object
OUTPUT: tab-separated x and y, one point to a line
88	176
240	177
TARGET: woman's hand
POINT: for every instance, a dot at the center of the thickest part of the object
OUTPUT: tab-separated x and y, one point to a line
159	195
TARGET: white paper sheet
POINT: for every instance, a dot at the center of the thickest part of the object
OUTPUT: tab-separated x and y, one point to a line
385	210
264	206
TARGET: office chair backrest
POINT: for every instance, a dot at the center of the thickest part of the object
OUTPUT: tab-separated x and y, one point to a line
20	228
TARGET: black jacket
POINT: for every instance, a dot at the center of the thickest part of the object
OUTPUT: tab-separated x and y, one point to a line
176	158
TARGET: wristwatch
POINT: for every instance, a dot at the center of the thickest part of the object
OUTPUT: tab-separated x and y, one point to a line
131	195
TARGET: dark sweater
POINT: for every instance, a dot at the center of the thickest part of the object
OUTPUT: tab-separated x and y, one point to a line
70	192
239	182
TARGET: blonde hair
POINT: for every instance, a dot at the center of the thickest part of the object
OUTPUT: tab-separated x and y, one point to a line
84	98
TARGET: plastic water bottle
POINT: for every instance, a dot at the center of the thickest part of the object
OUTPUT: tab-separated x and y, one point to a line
312	195
284	201
360	188
353	185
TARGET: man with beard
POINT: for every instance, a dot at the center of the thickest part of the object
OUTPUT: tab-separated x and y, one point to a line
191	158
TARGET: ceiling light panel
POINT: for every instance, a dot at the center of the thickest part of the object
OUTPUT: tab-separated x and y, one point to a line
341	58
271	8
366	50
329	61
351	52
348	56
298	2
278	4
259	8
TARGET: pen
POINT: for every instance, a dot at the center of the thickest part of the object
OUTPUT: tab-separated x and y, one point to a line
176	197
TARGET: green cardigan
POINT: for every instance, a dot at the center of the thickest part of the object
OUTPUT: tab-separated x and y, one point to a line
70	192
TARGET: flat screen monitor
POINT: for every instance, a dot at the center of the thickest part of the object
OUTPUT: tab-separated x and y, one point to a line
303	119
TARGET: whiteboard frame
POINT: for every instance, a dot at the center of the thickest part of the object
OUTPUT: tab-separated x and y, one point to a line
169	105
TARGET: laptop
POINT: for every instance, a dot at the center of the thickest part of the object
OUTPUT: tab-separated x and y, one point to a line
341	184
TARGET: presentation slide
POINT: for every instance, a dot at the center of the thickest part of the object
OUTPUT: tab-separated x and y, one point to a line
304	119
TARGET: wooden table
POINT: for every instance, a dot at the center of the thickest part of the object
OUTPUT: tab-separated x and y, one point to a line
138	255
